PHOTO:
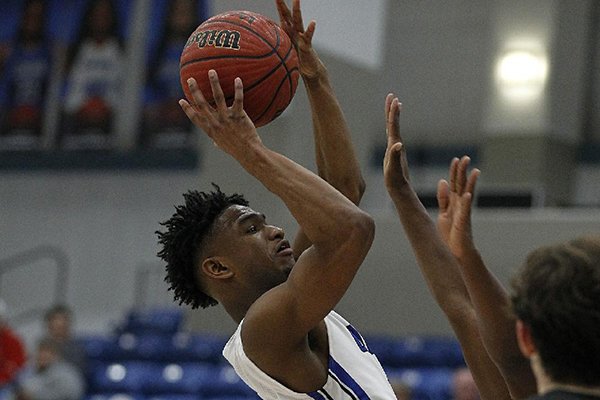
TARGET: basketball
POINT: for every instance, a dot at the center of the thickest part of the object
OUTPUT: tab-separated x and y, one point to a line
247	45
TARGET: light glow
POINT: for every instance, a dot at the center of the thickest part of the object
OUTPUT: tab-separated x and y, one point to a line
521	75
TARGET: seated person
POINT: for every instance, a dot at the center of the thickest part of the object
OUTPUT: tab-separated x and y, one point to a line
12	354
50	377
94	79
59	328
164	124
24	81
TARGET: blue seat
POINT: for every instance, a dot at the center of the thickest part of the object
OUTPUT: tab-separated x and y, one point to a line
154	320
176	396
200	347
100	347
185	378
382	346
114	396
425	351
127	377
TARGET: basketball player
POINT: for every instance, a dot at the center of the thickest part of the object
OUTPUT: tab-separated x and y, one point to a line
439	267
289	343
560	339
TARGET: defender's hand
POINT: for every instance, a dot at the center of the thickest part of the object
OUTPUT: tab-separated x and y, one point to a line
395	165
455	201
292	23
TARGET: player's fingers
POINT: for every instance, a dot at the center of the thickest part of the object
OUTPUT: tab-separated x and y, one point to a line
464	218
187	108
297	16
284	12
472	181
461	174
442	195
217	91
238	100
452	174
388	102
310	31
196	116
202	105
393	120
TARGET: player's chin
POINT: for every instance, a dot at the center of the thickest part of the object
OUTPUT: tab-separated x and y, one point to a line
287	268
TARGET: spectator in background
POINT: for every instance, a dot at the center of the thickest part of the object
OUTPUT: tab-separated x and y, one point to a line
24	81
50	378
463	385
59	329
94	78
165	124
12	354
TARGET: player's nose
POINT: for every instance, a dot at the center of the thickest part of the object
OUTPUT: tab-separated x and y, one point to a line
276	232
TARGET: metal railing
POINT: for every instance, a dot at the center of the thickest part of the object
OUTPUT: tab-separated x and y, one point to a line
150	276
60	262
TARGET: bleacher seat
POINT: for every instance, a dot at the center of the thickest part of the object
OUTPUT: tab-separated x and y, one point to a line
99	347
114	396
417	351
153	320
128	377
185	378
176	396
200	347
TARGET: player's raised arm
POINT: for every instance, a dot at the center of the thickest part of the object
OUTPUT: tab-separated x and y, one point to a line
438	266
335	156
489	298
275	327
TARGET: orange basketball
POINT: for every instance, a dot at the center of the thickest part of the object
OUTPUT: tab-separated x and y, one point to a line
250	46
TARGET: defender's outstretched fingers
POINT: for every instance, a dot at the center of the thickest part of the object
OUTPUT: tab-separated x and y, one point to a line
388	103
297	16
452	177
472	180
442	195
238	101
310	31
284	12
464	215
393	119
461	178
217	91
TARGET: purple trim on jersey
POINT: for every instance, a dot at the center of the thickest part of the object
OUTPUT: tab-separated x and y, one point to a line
345	378
316	395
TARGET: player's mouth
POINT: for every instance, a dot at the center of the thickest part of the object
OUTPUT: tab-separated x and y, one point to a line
284	249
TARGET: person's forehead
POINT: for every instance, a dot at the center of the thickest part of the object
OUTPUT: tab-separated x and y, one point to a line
235	213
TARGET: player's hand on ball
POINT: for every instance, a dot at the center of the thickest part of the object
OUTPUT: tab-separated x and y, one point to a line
230	128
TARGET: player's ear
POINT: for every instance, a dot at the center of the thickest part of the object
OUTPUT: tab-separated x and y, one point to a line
524	338
215	268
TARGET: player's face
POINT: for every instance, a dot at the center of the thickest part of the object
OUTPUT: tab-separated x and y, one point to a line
257	252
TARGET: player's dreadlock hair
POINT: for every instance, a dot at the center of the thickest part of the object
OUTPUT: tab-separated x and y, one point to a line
183	240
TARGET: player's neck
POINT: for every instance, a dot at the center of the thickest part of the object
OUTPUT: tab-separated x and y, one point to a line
545	384
238	305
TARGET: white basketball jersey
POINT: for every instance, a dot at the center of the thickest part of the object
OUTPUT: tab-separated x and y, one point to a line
354	372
